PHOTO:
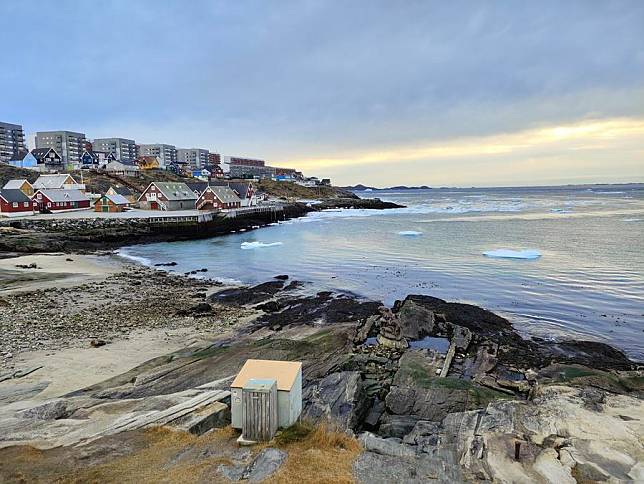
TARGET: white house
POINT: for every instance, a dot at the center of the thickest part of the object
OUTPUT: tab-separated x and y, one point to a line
61	181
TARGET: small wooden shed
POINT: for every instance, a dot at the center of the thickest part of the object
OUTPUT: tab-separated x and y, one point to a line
287	374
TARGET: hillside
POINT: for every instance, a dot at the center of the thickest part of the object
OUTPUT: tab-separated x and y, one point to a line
290	190
8	172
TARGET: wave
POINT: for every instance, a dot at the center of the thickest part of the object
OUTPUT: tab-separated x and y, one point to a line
513	254
258	245
134	258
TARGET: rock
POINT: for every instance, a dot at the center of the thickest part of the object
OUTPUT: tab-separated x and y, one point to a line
215	415
374	414
339	397
166	264
265	464
201	308
385	446
424	434
281	277
374	468
96	343
363	332
232	473
415	320
52	410
397	425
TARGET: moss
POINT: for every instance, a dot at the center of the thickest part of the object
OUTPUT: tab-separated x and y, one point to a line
295	433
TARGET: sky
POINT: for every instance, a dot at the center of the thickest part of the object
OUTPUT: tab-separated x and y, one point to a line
458	93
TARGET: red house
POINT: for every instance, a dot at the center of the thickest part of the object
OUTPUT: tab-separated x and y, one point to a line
215	197
15	201
60	200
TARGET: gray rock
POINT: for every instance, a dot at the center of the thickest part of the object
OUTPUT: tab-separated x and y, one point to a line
415	320
373	416
52	410
385	446
339	397
424	433
232	473
266	463
397	425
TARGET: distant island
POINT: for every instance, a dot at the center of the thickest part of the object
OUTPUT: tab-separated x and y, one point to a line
361	187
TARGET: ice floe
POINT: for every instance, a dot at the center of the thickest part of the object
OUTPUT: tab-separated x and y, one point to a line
258	245
410	233
632	219
513	254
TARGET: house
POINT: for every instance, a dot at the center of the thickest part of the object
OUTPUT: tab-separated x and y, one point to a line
123	191
148	162
167	196
121	168
14	201
23	185
95	159
61	181
24	159
218	197
111	203
48	158
60	199
201	173
245	190
288	376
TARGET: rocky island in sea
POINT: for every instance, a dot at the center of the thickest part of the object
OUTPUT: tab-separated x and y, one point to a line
108	366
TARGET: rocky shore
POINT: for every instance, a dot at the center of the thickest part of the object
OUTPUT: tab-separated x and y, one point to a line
432	390
88	235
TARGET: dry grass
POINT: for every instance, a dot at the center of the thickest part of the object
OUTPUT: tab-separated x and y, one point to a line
317	454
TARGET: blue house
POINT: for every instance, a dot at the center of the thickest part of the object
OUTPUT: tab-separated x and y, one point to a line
24	159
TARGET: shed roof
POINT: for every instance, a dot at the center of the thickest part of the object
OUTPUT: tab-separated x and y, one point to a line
116	199
285	372
175	191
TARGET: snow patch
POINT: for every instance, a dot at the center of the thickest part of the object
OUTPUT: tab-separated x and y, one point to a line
258	245
513	254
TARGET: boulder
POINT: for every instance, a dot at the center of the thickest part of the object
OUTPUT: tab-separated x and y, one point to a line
339	397
265	464
392	447
397	425
415	320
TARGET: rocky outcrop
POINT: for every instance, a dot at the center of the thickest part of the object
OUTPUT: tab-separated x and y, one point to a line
338	397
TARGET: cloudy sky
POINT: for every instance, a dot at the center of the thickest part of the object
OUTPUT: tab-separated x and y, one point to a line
379	92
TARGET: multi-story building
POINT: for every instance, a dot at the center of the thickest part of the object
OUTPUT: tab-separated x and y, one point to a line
195	157
12	141
214	158
124	149
250	171
236	160
167	154
69	144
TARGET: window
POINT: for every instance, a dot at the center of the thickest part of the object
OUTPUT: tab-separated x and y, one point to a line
15	204
25	204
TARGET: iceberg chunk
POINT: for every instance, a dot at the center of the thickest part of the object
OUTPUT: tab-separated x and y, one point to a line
410	233
258	245
513	254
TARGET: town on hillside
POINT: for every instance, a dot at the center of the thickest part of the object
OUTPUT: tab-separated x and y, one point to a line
145	177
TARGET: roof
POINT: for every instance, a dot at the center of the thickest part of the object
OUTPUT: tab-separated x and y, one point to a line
285	372
64	195
52	181
198	186
240	187
42	152
15	184
225	194
14	195
175	190
125	191
116	199
121	165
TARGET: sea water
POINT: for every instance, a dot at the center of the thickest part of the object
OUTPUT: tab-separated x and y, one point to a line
561	262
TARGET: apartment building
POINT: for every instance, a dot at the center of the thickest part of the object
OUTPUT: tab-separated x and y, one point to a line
123	148
167	154
12	141
195	157
69	144
214	159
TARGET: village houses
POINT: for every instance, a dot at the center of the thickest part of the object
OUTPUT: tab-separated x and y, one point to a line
167	196
123	191
15	202
23	185
111	203
218	198
60	199
61	181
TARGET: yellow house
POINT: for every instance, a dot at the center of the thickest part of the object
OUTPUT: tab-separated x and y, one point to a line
23	185
148	162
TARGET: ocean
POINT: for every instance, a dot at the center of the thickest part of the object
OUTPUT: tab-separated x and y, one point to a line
557	262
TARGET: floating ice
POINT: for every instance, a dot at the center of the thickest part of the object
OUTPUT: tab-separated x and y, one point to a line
513	254
258	245
632	219
410	233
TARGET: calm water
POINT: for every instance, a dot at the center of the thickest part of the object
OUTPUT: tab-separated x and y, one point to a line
588	282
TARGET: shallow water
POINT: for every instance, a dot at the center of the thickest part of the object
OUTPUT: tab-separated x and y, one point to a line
588	281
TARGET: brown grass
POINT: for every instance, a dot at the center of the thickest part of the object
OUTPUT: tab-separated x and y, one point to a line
324	454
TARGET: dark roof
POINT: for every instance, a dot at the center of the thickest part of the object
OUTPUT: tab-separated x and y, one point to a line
125	191
40	153
241	188
198	186
13	195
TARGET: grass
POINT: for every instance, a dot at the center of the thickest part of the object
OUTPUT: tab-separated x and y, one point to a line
316	454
